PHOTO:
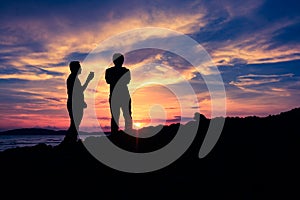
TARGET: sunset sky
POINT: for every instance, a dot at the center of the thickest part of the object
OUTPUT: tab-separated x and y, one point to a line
255	45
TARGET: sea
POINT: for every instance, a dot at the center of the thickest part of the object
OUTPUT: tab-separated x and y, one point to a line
13	141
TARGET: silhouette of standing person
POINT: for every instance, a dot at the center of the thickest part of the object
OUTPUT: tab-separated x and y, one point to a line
119	98
75	102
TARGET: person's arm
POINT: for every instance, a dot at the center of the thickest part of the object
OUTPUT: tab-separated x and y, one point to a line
127	77
70	85
108	77
89	78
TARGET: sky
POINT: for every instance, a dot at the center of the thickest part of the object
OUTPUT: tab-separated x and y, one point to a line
253	43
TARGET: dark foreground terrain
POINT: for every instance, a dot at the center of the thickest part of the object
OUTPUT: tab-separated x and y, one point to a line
255	158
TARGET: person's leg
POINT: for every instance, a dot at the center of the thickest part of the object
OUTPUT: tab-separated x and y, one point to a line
126	109
71	135
72	124
78	117
115	115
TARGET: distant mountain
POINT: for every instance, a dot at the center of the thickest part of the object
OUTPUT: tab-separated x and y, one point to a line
33	131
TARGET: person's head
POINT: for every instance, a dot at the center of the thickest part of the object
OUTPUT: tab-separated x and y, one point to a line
197	116
118	59
75	67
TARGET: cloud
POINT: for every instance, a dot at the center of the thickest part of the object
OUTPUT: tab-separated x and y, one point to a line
248	82
254	44
26	102
237	61
28	72
76	56
246	31
276	10
40	70
9	70
287	35
104	118
263	84
53	99
262	88
265	76
290	56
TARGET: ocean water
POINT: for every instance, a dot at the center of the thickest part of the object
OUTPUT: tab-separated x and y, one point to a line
13	141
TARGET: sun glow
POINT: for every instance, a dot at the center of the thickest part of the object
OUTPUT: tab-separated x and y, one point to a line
138	124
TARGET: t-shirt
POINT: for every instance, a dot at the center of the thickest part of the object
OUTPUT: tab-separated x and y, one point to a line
118	78
75	91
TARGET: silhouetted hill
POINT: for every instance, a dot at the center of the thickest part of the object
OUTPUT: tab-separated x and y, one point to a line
255	158
33	131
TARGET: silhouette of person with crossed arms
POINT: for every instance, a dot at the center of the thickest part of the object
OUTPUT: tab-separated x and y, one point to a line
75	102
119	98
